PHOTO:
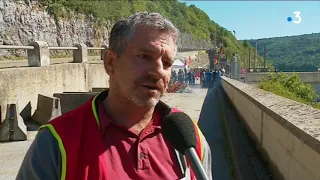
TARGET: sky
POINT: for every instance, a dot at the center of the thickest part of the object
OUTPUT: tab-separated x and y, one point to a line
263	19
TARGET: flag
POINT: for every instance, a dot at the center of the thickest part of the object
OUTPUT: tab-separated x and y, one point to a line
190	60
243	71
185	63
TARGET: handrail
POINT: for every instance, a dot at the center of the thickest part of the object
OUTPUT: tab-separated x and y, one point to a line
50	48
39	52
63	48
95	48
15	47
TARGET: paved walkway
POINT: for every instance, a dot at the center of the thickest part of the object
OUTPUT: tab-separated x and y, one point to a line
12	153
190	103
211	125
11	156
200	106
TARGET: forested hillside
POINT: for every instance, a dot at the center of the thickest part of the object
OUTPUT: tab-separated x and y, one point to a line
189	19
292	53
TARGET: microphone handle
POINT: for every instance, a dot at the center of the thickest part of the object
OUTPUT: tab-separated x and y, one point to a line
195	163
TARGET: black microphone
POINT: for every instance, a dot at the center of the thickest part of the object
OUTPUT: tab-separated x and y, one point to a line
179	130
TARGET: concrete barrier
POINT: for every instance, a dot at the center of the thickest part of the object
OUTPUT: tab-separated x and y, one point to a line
72	100
40	55
48	108
192	54
286	132
103	51
13	128
22	85
80	55
98	89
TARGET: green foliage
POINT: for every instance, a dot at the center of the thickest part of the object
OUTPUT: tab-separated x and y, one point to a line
292	53
290	87
189	19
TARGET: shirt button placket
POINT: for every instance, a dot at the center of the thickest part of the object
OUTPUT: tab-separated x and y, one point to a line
140	157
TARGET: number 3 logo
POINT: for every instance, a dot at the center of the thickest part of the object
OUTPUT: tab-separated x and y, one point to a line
298	20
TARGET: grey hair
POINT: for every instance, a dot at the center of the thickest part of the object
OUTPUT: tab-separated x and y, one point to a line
123	31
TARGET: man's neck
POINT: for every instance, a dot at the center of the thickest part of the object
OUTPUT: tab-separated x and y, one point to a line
124	112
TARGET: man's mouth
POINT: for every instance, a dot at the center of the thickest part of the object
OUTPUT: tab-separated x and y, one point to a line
151	87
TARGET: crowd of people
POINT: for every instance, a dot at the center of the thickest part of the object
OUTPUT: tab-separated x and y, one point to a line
205	77
184	76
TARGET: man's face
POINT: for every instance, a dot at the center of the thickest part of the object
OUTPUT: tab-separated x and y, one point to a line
143	71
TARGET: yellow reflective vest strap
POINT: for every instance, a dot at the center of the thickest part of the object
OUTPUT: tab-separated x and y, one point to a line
94	110
199	141
61	147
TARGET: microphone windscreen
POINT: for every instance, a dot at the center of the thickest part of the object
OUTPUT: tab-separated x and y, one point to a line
179	130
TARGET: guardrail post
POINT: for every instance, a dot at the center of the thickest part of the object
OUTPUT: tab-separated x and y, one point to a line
103	50
40	55
81	54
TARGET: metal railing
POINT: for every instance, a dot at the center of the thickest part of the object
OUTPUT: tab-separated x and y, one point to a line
15	47
38	52
95	48
63	48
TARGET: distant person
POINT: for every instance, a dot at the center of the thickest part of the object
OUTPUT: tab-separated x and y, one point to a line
208	77
193	77
198	74
180	75
174	76
117	135
188	75
223	71
202	78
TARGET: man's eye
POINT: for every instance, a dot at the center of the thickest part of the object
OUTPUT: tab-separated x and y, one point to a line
167	64
144	56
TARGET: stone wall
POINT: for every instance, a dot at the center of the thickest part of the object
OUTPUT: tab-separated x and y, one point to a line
22	22
22	85
286	132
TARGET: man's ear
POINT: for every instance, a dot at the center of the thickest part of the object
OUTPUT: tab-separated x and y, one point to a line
108	60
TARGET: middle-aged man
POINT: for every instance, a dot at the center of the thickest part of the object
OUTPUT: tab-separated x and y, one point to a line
117	135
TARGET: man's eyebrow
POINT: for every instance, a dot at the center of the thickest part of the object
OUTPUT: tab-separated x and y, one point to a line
150	51
146	50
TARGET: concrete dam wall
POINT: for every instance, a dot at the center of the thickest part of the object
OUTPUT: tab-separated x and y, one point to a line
21	86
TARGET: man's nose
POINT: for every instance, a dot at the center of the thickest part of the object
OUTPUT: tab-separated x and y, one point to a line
157	70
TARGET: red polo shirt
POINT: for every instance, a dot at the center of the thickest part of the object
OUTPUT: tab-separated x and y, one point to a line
135	157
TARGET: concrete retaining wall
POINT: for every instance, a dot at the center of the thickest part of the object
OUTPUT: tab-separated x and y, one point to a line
308	77
287	133
192	54
22	85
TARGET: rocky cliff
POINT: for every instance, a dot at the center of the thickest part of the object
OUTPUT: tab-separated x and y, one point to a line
23	21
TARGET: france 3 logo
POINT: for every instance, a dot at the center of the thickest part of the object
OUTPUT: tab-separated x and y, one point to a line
297	18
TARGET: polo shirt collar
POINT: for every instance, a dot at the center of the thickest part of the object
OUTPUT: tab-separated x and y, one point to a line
104	119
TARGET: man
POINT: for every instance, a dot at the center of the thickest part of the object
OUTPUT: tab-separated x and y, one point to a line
174	76
117	135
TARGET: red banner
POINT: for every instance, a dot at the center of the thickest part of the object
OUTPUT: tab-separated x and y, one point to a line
190	60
